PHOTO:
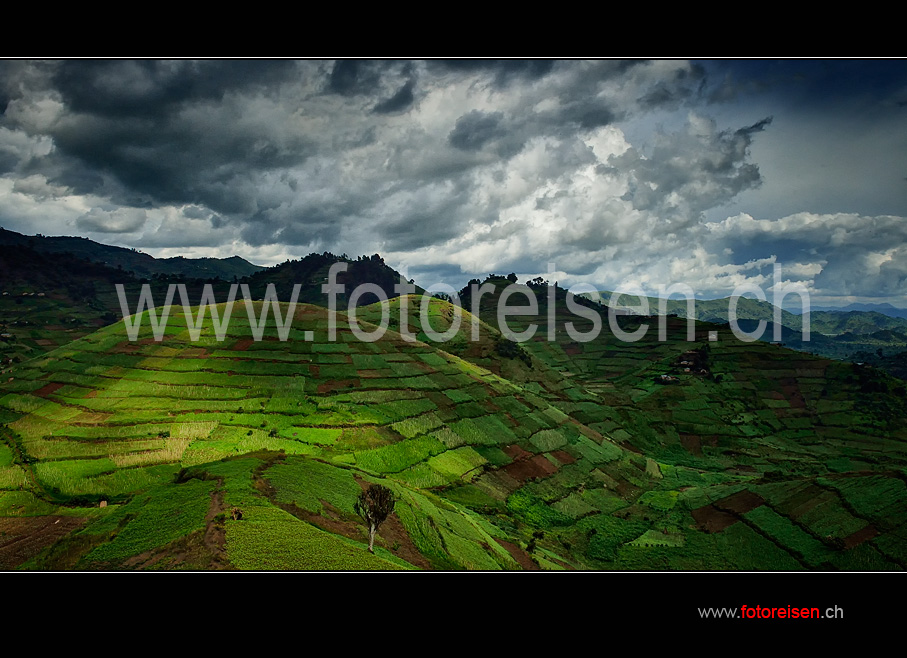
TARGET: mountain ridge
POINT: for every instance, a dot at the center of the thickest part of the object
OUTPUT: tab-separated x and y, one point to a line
132	260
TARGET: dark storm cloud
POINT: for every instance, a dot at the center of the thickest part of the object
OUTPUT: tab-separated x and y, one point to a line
503	72
490	163
787	248
308	222
568	101
165	131
82	180
314	229
682	86
16	75
150	87
420	230
588	115
828	85
358	77
475	129
192	132
399	102
176	160
433	222
8	161
168	132
351	76
428	276
757	127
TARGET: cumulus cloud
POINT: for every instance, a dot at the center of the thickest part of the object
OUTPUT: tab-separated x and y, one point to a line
841	253
37	187
689	172
474	129
118	220
18	149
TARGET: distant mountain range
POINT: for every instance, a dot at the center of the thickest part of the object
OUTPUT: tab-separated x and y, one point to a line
835	333
825	320
884	309
130	260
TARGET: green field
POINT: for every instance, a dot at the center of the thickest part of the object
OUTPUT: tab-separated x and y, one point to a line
247	454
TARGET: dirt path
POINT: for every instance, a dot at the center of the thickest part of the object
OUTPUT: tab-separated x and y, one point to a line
215	532
200	550
522	557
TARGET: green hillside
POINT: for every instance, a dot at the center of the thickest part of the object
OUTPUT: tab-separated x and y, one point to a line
247	454
108	420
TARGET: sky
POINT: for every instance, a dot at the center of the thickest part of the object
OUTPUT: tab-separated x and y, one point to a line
629	175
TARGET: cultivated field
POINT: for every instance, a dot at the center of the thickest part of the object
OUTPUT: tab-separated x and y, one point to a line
558	454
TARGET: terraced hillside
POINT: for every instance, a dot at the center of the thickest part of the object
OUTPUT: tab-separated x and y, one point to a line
719	405
106	420
250	454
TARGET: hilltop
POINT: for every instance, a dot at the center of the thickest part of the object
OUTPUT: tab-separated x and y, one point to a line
311	273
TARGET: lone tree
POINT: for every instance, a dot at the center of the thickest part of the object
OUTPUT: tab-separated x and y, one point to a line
374	505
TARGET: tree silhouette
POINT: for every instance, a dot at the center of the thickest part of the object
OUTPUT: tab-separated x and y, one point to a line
374	505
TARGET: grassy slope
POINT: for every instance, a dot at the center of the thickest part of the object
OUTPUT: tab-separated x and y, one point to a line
104	419
577	460
762	413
